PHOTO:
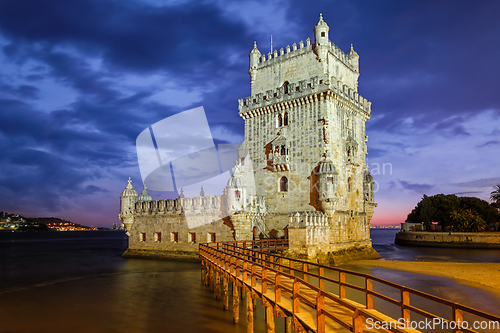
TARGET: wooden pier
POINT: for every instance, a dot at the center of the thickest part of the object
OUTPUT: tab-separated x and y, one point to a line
313	297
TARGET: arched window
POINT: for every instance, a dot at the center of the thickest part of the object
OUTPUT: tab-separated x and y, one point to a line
285	85
280	120
285	119
237	194
349	184
283	150
283	184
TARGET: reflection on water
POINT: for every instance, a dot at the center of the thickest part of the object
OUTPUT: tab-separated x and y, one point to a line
78	282
84	285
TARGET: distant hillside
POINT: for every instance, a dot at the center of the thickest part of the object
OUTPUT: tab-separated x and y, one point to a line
15	222
54	223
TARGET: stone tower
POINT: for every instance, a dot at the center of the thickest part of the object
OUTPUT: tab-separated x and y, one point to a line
305	134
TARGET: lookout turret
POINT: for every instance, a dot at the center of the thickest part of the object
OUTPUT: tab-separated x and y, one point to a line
236	191
321	41
127	205
327	177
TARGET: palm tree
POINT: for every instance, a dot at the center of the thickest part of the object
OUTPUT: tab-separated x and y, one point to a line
495	195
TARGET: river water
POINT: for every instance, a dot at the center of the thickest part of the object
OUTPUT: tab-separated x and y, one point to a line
78	282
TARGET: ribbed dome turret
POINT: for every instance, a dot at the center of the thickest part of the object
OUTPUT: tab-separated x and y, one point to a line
255	50
129	190
144	195
327	166
321	22
368	177
353	53
236	181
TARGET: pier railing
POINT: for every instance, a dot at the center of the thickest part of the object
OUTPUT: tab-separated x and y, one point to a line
296	289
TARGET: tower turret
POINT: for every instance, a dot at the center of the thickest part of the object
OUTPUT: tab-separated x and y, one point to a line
328	182
128	199
354	58
254	60
321	40
236	191
144	195
254	56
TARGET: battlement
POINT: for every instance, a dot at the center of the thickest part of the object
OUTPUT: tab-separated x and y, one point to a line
202	204
301	89
215	204
308	219
294	51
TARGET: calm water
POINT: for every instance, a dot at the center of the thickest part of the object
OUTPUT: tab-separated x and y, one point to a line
78	282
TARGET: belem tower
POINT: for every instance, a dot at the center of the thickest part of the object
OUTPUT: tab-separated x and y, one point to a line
301	172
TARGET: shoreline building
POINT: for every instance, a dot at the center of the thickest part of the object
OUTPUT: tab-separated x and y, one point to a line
301	172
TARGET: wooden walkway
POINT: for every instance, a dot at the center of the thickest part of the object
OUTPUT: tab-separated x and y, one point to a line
295	289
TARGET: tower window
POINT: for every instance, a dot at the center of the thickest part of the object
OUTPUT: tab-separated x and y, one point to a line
349	184
192	237
174	237
142	236
283	184
283	150
280	120
211	237
157	237
322	34
285	85
285	119
237	194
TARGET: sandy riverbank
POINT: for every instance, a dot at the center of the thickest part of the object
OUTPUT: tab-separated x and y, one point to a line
472	274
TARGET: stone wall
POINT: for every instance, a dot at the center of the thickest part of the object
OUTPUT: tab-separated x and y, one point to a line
172	233
478	240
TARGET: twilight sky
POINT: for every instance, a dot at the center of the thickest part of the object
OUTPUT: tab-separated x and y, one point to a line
80	80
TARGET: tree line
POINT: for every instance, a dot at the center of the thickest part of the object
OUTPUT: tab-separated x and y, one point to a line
465	214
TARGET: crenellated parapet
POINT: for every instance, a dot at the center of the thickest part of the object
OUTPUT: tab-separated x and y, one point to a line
309	232
214	204
196	205
308	219
301	92
297	50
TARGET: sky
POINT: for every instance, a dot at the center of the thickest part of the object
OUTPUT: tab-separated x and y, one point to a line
80	80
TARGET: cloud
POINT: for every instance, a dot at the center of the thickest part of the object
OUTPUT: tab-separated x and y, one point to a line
419	188
81	80
480	183
489	143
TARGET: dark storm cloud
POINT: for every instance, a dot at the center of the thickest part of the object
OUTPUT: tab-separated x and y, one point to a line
425	60
418	60
48	157
21	91
128	35
419	188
